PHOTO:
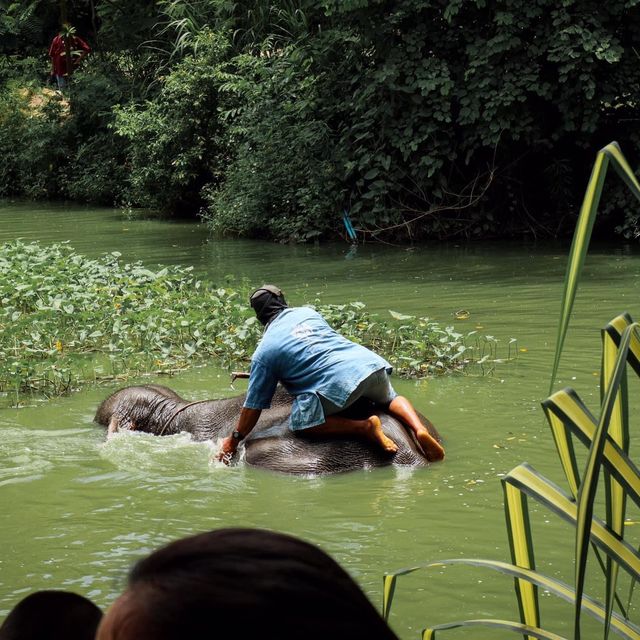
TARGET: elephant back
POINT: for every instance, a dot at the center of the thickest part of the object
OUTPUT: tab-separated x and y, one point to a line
273	445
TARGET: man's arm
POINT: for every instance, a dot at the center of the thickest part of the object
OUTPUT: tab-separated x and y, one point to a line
247	420
262	385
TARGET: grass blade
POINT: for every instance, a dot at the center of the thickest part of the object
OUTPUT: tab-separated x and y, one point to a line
582	235
586	495
622	167
567	408
615	329
389	587
553	497
564	446
578	252
505	625
622	627
521	545
618	431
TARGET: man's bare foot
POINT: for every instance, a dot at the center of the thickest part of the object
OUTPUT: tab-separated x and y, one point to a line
378	436
433	450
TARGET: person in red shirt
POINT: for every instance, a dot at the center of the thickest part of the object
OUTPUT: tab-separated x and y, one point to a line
66	52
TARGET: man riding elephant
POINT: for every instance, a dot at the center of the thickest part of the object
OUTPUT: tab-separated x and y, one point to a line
325	373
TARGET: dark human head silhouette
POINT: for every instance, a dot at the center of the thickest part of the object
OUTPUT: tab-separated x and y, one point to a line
242	584
54	615
267	301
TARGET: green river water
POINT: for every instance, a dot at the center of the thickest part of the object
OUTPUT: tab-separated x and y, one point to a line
76	511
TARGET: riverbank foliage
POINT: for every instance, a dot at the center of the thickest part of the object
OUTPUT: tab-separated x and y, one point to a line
421	118
67	320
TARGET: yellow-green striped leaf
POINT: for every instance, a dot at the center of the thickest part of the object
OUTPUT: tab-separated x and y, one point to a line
619	423
582	235
547	493
578	252
564	446
615	330
621	626
618	432
388	591
505	625
586	494
622	167
521	546
389	587
567	409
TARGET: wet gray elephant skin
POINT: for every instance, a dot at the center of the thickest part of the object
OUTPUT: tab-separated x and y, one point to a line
271	445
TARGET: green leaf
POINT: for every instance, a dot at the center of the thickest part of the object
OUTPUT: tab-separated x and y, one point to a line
526	479
586	494
618	431
505	625
521	546
620	625
400	316
582	234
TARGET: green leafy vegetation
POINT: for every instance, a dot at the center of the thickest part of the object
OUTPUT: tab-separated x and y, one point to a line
609	468
421	119
67	320
176	142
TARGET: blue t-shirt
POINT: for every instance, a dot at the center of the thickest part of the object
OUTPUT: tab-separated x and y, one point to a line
308	357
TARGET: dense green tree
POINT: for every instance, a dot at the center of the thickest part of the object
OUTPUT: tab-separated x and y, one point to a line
176	141
437	118
453	93
421	118
281	179
54	145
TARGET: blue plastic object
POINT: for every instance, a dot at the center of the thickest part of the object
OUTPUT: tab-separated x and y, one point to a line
351	232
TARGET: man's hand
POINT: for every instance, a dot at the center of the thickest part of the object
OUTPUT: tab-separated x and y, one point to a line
246	422
228	450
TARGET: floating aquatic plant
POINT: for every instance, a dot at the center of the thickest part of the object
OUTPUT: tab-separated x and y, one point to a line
66	320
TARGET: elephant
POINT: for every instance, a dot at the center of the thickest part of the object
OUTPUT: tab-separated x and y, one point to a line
271	445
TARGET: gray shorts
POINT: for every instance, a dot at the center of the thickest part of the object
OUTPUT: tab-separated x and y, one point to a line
375	387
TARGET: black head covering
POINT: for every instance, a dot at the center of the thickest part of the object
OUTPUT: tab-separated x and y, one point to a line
267	302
